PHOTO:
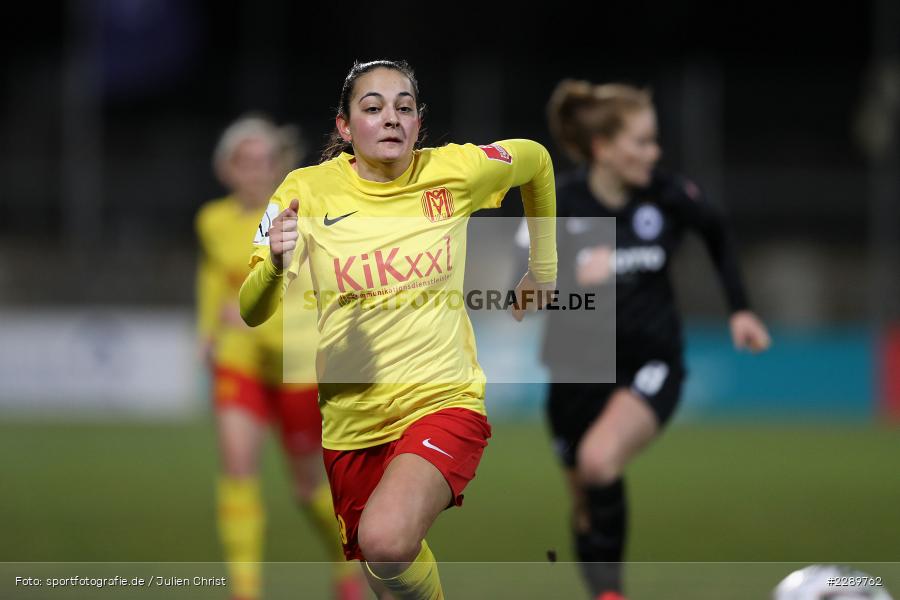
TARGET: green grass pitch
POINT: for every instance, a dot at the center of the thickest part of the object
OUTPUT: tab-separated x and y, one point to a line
726	494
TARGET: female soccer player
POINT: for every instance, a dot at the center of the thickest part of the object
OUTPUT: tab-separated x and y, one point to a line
400	389
250	159
599	427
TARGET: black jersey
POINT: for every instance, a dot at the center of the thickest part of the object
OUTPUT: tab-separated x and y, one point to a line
648	231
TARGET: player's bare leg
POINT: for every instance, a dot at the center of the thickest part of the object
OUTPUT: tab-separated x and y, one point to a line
404	505
240	514
240	440
621	431
377	586
313	496
306	475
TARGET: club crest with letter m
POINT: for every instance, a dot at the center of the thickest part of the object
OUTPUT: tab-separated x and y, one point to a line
437	204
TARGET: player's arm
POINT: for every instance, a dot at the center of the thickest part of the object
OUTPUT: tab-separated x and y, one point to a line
709	222
527	165
210	288
273	266
747	330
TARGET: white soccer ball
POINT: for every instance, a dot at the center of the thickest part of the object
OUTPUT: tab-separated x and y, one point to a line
830	582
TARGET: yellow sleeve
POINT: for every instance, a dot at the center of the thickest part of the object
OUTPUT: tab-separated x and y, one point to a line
264	286
525	164
261	293
211	285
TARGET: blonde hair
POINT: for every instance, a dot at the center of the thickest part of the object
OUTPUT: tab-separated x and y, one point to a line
286	141
579	111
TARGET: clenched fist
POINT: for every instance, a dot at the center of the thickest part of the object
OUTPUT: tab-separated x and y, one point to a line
283	235
748	332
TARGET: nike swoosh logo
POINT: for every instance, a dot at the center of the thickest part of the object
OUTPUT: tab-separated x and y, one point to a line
427	443
330	222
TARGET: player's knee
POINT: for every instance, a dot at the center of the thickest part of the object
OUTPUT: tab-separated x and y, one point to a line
381	543
239	464
598	468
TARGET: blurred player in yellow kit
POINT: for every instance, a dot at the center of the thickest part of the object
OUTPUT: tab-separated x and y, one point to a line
246	364
384	233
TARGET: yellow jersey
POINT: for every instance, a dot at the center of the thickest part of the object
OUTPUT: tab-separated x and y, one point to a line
387	263
225	231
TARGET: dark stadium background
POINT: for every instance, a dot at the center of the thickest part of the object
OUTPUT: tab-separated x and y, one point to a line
785	113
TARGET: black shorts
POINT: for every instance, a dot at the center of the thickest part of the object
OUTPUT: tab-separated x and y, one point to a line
573	407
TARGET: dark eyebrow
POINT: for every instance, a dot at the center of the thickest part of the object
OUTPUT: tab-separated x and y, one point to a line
382	97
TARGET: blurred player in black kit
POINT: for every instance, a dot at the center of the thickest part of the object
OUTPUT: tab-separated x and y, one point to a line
610	130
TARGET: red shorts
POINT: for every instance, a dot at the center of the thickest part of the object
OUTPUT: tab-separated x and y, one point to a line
296	410
452	439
